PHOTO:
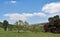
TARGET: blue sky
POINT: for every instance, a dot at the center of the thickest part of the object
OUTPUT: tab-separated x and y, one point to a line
32	11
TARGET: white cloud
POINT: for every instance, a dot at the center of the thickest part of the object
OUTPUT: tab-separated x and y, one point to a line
39	14
10	2
23	16
13	2
52	8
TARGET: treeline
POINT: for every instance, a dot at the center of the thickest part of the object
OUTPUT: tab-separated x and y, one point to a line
21	26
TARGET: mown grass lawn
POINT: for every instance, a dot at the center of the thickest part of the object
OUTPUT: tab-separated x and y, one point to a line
26	34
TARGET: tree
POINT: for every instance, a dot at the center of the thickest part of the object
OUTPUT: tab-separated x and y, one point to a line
56	17
25	26
5	25
26	23
51	21
19	25
54	24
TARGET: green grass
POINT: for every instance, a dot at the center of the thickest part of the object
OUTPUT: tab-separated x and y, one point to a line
26	34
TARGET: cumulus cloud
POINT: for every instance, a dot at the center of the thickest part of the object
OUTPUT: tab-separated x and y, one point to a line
23	16
51	8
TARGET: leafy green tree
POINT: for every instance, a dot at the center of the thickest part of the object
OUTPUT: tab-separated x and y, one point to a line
5	25
25	26
56	17
26	23
51	21
19	25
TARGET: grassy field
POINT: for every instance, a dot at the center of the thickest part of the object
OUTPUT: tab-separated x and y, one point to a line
26	34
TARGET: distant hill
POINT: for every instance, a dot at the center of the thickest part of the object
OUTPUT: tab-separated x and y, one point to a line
41	24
